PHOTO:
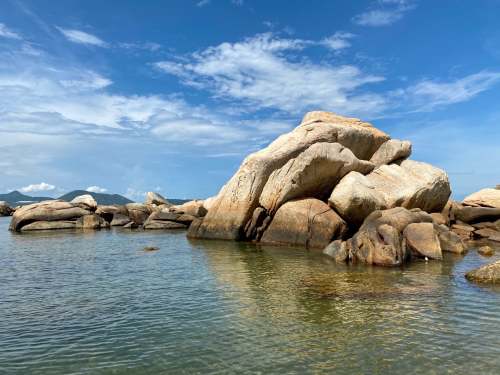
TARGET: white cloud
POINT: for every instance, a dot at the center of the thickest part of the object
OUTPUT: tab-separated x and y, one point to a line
202	3
96	189
237	2
260	73
81	37
390	12
338	41
429	94
144	46
5	32
37	187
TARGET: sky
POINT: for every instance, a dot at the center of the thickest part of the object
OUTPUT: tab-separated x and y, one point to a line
170	96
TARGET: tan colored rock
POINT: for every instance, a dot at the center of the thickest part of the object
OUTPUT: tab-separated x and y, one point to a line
92	221
312	173
209	202
450	241
120	220
49	225
309	223
410	185
193	208
469	214
5	209
391	151
484	198
486	251
156	199
379	240
238	199
160	224
53	210
108	211
423	241
439	218
486	233
489	274
138	212
338	250
85	201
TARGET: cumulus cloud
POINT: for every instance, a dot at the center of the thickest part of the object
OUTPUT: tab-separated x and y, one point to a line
202	3
386	13
37	187
5	32
96	189
338	41
81	37
429	94
260	73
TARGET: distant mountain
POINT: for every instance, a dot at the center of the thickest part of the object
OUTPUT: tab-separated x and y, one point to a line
99	197
15	198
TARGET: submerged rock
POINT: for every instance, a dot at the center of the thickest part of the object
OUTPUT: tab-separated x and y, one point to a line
150	248
305	222
489	274
486	251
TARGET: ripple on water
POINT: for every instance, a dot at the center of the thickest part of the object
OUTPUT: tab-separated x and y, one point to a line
79	303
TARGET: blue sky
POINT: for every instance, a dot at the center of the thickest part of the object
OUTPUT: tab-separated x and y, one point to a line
130	96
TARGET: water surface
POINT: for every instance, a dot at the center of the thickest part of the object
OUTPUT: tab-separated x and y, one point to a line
95	303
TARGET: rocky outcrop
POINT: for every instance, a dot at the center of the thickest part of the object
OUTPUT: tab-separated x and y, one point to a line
469	214
138	213
484	198
450	241
312	173
46	211
309	223
86	201
168	220
489	274
193	208
422	239
5	209
410	185
392	151
236	202
156	199
119	220
92	221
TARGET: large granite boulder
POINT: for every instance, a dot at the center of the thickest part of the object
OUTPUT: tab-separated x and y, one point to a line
239	198
92	221
193	208
85	201
391	151
168	220
119	220
156	199
49	225
309	223
423	241
410	185
108	211
312	173
53	210
489	274
138	213
5	209
469	214
484	198
449	240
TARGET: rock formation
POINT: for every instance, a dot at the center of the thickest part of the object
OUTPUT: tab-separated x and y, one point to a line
86	202
489	274
5	209
155	199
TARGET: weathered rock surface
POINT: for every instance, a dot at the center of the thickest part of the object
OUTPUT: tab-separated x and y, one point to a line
86	202
489	274
339	250
312	173
469	214
138	213
484	198
391	151
120	220
423	241
168	220
156	199
239	198
160	224
486	251
486	233
410	185
450	241
463	230
108	211
193	208
53	210
49	225
92	221
306	222
5	209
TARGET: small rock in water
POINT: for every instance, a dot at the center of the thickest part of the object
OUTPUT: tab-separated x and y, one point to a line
486	251
151	248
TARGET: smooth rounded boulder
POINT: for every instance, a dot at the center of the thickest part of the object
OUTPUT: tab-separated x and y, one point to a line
484	198
489	274
138	213
309	223
85	201
423	241
156	199
410	185
391	151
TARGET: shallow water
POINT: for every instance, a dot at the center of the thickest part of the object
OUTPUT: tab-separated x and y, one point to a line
95	303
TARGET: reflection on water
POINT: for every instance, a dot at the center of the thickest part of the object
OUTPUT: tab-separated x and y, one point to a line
94	302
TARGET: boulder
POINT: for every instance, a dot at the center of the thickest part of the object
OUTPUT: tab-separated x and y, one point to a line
469	214
5	209
49	225
120	220
53	210
484	198
489	274
306	222
168	220
239	198
138	212
410	185
486	233
312	173
486	251
439	218
85	201
463	230
156	199
193	208
208	203
108	211
338	250
92	221
379	240
391	151
160	224
423	241
450	241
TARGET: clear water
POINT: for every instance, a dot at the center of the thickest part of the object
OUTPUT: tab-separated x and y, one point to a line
94	303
